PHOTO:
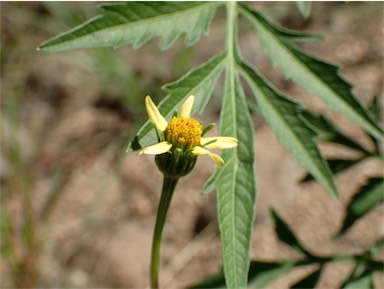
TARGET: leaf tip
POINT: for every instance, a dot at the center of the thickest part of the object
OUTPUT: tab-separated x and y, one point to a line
334	191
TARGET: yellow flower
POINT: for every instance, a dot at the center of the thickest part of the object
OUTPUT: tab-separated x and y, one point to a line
183	135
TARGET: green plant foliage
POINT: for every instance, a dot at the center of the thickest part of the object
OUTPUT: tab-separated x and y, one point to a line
375	109
336	166
369	196
304	8
285	234
289	34
366	266
199	81
310	281
235	186
313	74
214	281
282	114
136	23
326	131
363	282
261	274
235	183
297	129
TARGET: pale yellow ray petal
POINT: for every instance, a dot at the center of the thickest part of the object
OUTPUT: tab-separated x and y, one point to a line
217	159
221	142
154	114
156	149
200	151
186	108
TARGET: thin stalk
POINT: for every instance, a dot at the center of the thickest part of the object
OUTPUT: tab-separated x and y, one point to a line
231	32
169	185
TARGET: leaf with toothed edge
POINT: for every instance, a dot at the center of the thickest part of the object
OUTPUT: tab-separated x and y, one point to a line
199	81
326	131
283	115
313	74
136	23
293	35
235	184
336	166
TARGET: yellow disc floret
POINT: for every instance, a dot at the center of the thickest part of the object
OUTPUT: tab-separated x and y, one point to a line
183	132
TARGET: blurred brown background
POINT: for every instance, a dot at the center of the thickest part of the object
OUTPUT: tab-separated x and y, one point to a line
78	211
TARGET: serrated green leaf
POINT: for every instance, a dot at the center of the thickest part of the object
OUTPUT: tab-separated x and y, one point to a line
313	74
292	35
283	114
205	77
289	34
337	166
285	234
136	23
365	200
326	131
235	184
309	281
304	7
199	81
236	190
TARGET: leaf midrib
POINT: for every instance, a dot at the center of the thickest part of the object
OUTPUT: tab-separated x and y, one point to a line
169	16
294	59
231	74
233	161
284	122
288	51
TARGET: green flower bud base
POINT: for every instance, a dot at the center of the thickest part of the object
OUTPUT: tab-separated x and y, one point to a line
176	163
173	164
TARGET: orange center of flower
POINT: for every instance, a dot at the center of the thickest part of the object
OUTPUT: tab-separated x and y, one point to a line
183	132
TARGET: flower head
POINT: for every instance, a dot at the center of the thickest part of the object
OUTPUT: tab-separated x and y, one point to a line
183	132
181	140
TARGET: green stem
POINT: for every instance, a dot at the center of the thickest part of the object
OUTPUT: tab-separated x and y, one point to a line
169	185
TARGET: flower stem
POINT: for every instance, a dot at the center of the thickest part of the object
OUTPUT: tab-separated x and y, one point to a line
169	185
